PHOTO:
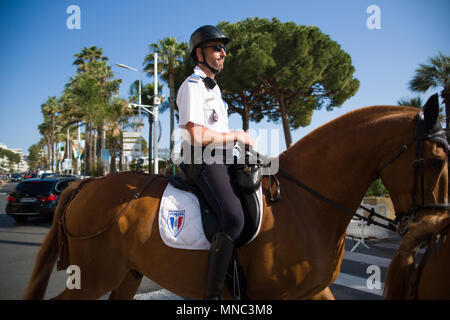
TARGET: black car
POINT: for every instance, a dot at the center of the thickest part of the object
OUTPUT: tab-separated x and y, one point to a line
31	175
36	197
16	177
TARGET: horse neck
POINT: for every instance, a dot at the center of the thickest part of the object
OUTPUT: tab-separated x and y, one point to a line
340	160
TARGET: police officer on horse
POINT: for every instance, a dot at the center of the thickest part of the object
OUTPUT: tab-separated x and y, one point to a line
204	115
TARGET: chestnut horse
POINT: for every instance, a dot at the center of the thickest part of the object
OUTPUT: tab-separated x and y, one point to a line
300	246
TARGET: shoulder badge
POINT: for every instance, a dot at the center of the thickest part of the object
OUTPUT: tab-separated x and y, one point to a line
193	78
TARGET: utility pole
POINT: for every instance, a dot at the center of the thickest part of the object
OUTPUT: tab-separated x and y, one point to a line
79	149
154	111
68	149
156	102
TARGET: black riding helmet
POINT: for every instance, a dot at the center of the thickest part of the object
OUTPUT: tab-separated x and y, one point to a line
206	34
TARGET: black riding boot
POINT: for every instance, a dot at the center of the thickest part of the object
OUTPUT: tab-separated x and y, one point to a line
219	258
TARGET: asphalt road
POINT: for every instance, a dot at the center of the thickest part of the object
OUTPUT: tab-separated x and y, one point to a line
19	245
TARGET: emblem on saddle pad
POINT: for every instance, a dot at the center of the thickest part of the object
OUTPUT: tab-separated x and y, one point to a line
175	221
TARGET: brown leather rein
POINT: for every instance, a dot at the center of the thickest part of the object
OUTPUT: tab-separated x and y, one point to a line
402	220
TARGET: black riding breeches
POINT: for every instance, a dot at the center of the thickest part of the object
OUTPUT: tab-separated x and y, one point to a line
215	184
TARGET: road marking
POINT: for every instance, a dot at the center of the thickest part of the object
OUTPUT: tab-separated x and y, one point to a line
357	283
360	257
162	294
344	279
387	245
26	213
395	246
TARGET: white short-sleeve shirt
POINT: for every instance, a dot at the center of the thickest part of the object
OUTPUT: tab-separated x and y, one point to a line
201	105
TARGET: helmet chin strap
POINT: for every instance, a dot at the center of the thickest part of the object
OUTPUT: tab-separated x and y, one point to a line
215	71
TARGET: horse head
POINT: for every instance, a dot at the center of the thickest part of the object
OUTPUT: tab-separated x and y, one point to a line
417	175
421	195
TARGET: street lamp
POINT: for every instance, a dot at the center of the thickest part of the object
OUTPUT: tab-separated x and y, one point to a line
140	84
154	112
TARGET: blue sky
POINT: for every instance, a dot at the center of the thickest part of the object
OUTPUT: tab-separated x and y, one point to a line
37	48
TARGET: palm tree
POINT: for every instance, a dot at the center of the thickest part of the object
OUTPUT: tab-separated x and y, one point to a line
413	102
116	119
88	55
35	158
433	75
85	102
51	109
44	130
90	91
170	54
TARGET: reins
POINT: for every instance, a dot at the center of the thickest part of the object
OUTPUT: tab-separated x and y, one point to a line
370	218
401	218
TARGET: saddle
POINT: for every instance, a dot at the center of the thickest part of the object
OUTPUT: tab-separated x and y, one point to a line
243	179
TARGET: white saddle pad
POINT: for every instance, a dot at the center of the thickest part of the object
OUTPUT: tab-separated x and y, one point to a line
180	221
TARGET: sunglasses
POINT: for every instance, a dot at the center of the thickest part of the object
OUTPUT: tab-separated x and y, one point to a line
217	47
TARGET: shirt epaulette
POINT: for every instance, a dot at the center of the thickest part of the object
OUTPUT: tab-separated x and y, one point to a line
194	78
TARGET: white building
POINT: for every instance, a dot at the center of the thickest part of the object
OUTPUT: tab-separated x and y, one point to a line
22	166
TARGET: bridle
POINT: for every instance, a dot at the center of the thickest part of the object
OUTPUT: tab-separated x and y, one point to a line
421	135
402	219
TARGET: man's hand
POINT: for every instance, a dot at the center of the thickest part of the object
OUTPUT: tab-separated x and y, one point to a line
245	138
204	136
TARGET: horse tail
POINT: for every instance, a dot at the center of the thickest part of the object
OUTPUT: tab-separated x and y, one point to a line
48	253
43	267
401	269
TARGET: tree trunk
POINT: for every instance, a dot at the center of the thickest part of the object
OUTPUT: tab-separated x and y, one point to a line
121	160
49	153
172	107
102	139
245	113
445	94
283	111
94	142
112	165
87	149
150	142
245	119
52	141
69	147
285	121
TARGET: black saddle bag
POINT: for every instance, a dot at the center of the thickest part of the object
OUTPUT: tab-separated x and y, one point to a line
247	177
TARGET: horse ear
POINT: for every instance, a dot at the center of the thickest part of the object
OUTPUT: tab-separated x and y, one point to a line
431	112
